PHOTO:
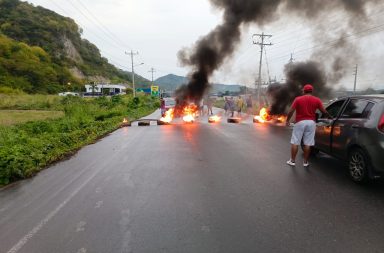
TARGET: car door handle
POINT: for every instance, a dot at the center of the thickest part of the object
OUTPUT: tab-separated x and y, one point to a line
356	126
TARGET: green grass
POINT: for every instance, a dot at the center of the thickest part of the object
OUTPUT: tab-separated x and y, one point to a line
14	117
27	148
219	103
30	102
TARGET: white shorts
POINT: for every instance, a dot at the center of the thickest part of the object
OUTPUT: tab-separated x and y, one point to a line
304	130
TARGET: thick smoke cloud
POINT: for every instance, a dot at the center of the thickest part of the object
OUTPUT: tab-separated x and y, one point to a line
210	52
298	74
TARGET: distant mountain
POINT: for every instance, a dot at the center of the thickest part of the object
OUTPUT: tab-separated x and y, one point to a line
222	88
173	82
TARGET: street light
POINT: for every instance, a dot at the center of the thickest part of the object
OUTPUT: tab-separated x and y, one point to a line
133	78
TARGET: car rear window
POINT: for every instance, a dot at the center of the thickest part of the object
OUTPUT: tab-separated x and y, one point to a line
357	108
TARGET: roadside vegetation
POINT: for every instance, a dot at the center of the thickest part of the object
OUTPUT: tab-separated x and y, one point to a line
26	148
14	117
219	103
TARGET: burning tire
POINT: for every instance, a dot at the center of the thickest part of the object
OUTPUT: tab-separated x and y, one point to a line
143	123
234	120
162	123
125	124
214	119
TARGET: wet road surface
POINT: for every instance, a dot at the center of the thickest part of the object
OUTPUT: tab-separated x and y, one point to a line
192	188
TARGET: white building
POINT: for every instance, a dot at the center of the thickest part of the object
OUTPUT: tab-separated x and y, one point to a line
105	89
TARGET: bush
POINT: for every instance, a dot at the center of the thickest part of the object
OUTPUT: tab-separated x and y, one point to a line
117	100
10	91
27	148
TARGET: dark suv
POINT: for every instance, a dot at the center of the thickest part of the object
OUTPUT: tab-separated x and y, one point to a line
355	134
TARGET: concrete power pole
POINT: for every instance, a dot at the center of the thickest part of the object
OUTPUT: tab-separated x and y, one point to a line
261	43
133	71
354	85
152	71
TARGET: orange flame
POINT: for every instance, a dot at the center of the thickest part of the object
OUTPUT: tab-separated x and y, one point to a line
263	116
188	118
214	119
189	113
282	118
169	114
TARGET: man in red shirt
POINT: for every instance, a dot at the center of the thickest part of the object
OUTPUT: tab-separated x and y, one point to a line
305	123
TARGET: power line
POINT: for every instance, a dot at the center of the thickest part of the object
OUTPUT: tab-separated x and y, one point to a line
333	43
102	25
77	21
295	39
288	33
90	20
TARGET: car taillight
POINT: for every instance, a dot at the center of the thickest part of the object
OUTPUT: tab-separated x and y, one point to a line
381	123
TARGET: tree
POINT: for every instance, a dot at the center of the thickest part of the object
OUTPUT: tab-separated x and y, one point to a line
94	87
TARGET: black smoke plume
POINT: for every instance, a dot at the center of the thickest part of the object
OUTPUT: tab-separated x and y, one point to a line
298	74
210	52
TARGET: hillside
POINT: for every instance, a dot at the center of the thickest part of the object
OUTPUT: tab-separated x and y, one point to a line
172	82
67	58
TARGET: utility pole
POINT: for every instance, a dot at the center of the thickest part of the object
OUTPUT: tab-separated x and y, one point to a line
133	71
261	43
354	85
291	59
266	61
152	71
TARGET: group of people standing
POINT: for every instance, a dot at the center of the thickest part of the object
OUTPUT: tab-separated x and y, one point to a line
239	104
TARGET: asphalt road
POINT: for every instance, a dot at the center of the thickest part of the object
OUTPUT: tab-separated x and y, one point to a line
192	188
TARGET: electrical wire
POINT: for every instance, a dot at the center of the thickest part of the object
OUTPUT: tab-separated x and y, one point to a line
104	27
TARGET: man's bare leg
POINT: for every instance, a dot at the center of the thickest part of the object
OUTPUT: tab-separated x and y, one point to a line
294	150
307	152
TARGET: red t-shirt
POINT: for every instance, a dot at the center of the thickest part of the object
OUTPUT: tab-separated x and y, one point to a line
306	107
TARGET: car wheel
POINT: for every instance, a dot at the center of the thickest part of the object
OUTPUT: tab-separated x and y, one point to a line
358	165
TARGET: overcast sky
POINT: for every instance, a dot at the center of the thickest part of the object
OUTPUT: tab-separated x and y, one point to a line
159	29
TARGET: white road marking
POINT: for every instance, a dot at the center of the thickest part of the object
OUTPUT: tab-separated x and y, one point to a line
82	250
205	229
99	204
81	226
42	223
128	181
125	226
